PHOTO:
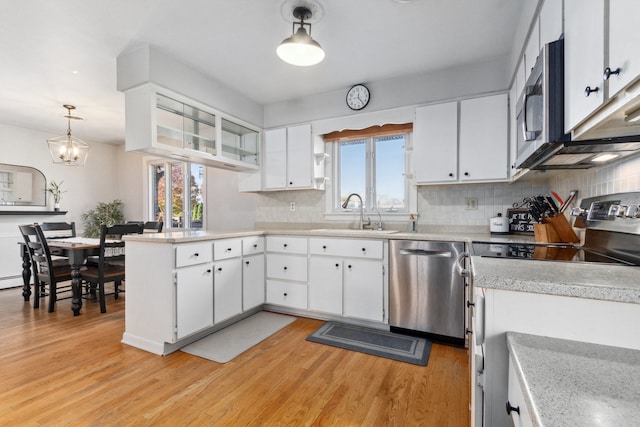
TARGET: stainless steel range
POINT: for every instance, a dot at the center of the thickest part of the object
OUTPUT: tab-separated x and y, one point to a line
612	235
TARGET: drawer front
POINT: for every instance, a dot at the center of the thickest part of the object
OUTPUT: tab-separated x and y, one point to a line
193	253
286	244
228	248
287	267
287	294
252	245
350	248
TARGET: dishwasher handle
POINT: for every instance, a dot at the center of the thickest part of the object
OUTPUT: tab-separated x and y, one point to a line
460	267
423	252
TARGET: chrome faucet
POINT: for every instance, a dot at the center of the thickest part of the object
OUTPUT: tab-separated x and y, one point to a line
363	224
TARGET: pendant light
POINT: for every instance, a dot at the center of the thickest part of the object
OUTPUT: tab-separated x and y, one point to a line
67	149
300	49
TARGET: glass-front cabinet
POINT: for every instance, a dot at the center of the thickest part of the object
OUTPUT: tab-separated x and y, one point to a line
167	124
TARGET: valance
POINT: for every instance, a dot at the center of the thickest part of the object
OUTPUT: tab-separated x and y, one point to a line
372	131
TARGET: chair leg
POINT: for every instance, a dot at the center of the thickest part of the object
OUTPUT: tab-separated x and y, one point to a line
53	295
116	287
36	293
103	306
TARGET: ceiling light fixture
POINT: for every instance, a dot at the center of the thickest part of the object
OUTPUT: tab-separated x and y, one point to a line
68	149
300	49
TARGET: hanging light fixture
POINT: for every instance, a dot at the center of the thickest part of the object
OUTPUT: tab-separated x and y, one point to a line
68	149
300	49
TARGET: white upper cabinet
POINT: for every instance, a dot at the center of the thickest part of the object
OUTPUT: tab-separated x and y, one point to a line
290	161
163	123
435	143
275	158
550	21
624	43
584	57
483	138
532	49
470	146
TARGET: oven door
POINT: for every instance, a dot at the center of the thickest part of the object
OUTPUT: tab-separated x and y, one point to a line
530	119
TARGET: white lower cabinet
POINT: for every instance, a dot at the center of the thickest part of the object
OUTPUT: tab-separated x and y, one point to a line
194	299
287	294
325	284
227	285
253	286
364	290
515	404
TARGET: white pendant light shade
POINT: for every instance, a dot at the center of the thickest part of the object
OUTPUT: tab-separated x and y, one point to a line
300	49
67	149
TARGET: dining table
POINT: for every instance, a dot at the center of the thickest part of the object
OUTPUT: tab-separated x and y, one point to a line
76	249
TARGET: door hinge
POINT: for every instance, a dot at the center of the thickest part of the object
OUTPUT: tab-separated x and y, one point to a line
175	279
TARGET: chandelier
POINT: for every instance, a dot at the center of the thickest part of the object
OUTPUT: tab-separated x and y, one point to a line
67	149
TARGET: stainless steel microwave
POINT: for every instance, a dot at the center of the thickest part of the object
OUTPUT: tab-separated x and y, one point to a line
540	108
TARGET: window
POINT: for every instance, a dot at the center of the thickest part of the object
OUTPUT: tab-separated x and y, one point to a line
374	168
185	212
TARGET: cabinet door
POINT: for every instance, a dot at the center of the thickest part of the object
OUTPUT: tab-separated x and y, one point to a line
299	157
513	137
624	40
583	58
483	138
253	285
325	284
227	298
275	158
363	289
435	143
194	299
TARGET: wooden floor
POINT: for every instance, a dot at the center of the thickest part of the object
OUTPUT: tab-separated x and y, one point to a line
56	369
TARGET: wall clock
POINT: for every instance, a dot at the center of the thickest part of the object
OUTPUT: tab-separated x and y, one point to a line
358	97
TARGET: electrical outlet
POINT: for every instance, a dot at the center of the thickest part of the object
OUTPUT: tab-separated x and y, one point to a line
292	206
471	203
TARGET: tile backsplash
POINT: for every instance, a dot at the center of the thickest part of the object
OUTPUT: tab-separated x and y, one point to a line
444	205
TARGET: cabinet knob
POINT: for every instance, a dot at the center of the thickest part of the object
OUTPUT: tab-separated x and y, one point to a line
228	249
324	246
512	409
209	271
255	246
285	245
196	254
364	249
246	262
285	294
290	182
466	174
349	266
337	265
588	91
219	268
468	331
608	72
285	268
451	175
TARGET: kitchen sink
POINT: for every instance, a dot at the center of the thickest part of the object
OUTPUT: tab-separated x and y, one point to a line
351	231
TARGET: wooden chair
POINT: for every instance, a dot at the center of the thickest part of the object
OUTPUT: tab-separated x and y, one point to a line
149	226
110	267
45	273
58	230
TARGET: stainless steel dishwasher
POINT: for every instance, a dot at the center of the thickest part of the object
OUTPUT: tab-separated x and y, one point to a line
426	292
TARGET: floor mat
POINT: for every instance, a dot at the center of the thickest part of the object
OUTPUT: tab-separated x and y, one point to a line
394	346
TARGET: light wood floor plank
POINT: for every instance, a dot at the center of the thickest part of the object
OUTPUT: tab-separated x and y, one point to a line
63	370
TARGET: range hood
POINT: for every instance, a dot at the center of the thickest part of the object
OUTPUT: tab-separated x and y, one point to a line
582	154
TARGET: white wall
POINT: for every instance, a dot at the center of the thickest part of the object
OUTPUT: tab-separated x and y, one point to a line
466	81
226	208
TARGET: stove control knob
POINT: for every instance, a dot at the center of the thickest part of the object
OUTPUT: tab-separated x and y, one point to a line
622	211
633	211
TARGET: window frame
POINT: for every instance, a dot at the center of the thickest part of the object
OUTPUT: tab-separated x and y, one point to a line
334	205
186	191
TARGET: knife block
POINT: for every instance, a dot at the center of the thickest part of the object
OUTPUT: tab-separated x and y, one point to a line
555	230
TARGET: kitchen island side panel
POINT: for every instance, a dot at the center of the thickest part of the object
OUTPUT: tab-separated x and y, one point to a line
150	296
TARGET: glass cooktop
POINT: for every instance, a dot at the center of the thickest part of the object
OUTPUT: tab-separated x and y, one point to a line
543	252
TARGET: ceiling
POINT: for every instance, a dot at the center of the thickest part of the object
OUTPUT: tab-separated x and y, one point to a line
64	51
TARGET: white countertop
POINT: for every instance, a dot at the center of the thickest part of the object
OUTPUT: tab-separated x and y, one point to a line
570	383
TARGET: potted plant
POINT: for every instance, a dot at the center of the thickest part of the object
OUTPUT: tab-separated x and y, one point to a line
55	188
105	213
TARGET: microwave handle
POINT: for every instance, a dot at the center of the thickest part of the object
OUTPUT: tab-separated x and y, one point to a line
528	135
